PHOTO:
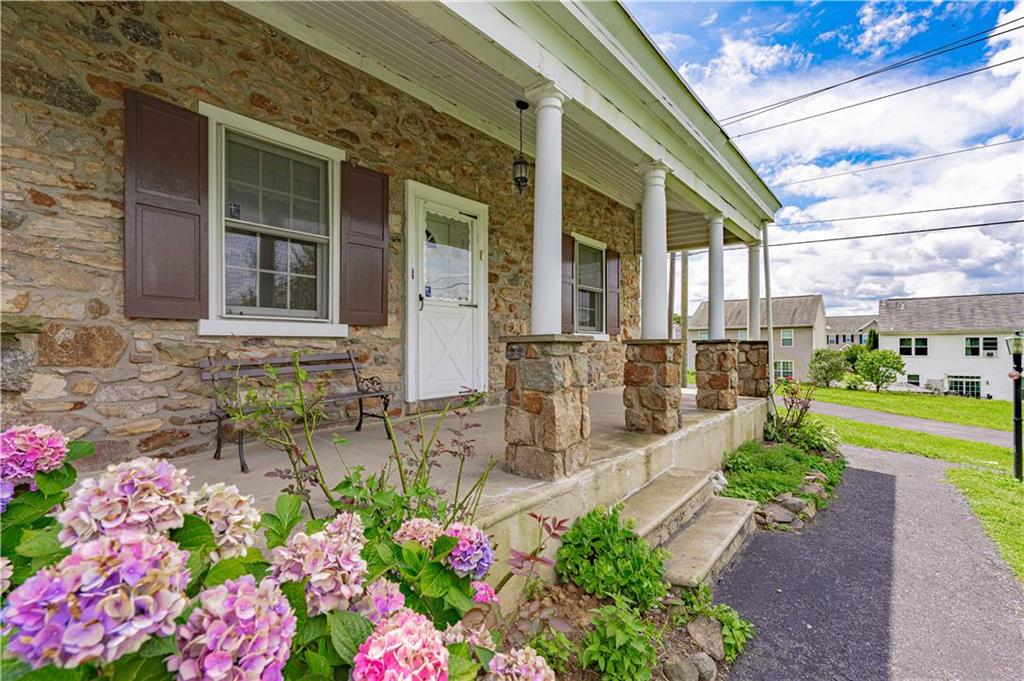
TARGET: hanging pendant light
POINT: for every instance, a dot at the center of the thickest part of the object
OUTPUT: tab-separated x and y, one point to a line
520	166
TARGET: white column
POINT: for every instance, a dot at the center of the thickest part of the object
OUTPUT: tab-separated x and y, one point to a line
546	305
654	284
716	278
754	292
769	323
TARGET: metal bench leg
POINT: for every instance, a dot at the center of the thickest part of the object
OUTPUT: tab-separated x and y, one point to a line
387	401
359	426
220	436
241	451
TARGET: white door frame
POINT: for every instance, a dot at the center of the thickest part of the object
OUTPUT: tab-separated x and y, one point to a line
416	195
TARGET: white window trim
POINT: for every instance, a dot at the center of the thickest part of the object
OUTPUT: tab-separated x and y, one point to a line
603	247
216	323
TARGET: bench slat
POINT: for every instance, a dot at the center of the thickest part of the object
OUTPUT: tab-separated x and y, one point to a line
281	370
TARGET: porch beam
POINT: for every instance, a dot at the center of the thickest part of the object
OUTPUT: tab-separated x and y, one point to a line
754	292
546	309
716	278
654	284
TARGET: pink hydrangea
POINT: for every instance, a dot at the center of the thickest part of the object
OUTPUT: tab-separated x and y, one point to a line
423	531
404	647
473	554
348	526
6	572
232	516
484	593
239	631
99	603
142	495
331	560
381	598
27	450
475	636
520	664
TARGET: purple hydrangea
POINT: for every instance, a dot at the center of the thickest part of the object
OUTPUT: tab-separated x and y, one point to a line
142	495
473	554
99	603
239	631
232	517
6	494
519	664
381	598
25	451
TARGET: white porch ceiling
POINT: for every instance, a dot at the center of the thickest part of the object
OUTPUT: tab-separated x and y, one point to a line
381	35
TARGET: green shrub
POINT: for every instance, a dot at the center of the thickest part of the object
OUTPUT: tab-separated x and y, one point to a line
853	382
826	366
762	472
880	367
619	646
736	630
605	557
556	648
814	436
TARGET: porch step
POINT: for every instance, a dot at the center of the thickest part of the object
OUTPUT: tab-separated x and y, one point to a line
668	502
701	550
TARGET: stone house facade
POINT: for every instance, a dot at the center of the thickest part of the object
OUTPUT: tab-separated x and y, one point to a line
71	357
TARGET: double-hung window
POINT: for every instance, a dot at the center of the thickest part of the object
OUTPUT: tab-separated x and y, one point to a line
786	335
920	346
784	369
275	231
906	346
990	346
589	288
972	346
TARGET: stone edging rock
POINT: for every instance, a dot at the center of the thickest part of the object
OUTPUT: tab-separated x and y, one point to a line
790	512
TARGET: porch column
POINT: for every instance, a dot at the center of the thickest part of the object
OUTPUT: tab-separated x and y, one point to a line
754	292
654	286
716	278
546	305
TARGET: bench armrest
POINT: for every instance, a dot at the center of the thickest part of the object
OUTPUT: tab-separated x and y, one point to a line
369	384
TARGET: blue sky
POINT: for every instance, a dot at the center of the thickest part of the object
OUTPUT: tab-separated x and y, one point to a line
741	55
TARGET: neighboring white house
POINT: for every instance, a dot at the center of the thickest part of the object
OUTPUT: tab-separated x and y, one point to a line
954	343
844	330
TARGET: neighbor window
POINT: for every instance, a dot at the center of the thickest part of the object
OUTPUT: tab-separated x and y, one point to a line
830	339
906	346
990	345
972	346
743	334
914	379
787	338
783	369
920	346
968	386
589	288
702	334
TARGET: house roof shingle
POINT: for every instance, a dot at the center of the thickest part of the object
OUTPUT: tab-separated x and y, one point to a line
985	312
786	311
849	323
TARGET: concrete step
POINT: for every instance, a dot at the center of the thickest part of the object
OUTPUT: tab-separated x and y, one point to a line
668	502
703	548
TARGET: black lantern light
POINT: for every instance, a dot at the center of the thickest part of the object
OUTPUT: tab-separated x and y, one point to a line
520	166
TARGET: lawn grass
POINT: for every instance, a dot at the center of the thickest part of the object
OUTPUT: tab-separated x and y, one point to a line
995	414
762	471
924	444
997	500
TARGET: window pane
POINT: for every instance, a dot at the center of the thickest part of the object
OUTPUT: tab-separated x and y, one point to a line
303	291
240	249
243	162
273	253
276	209
303	258
920	346
306	180
905	346
590	311
448	260
240	287
273	290
276	172
589	267
243	203
972	347
306	217
990	344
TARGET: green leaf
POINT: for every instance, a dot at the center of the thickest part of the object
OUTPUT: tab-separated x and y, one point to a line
459	599
253	555
318	664
56	480
435	580
195	534
484	655
138	668
444	545
80	449
460	666
295	592
31	506
222	571
289	510
158	647
348	631
314	628
40	543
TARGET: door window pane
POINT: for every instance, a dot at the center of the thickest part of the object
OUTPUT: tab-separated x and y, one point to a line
448	259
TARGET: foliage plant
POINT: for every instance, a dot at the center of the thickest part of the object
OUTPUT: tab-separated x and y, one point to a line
736	631
761	471
880	367
620	646
604	556
852	354
826	367
556	648
872	339
793	425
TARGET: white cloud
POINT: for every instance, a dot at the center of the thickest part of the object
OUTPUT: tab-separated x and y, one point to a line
885	30
669	42
711	19
740	61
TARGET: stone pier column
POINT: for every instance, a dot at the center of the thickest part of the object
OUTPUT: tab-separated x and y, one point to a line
653	392
547	422
717	378
752	368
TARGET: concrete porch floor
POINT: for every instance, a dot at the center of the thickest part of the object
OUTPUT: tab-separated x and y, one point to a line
699	445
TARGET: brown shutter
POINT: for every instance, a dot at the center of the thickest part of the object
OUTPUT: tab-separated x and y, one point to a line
364	246
165	210
611	298
568	282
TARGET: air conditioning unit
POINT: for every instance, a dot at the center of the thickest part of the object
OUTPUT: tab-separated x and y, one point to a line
990	353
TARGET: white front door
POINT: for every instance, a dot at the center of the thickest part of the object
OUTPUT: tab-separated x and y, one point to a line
447	275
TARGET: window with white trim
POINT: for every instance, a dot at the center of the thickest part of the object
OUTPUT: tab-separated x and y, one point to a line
787	338
920	346
990	346
914	379
590	287
743	334
702	334
906	346
967	386
972	346
784	368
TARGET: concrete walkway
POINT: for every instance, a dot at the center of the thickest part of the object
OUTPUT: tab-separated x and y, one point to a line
1001	438
896	580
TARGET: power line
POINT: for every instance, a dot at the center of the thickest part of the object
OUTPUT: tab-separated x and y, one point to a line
907	212
877	99
934	52
903	162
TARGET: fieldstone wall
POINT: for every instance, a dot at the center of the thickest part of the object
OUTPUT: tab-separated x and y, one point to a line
547	421
717	378
653	392
752	368
70	357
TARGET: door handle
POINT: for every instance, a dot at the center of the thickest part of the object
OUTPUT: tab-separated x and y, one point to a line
467	305
421	302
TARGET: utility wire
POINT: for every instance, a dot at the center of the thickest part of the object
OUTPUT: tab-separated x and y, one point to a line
907	212
934	52
903	162
876	99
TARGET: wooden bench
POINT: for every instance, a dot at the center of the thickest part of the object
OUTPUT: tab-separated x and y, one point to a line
219	370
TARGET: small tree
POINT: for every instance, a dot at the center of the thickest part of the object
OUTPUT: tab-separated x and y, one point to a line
826	366
852	353
881	367
872	339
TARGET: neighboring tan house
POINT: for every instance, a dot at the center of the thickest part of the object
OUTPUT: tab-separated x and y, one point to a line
955	343
192	179
798	321
844	330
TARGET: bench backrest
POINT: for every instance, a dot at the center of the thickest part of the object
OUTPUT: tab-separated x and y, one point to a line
215	369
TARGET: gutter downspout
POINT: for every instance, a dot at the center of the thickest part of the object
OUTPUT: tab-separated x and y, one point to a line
768	310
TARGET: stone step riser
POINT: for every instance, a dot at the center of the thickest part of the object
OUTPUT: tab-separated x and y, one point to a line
682	515
667	503
703	548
